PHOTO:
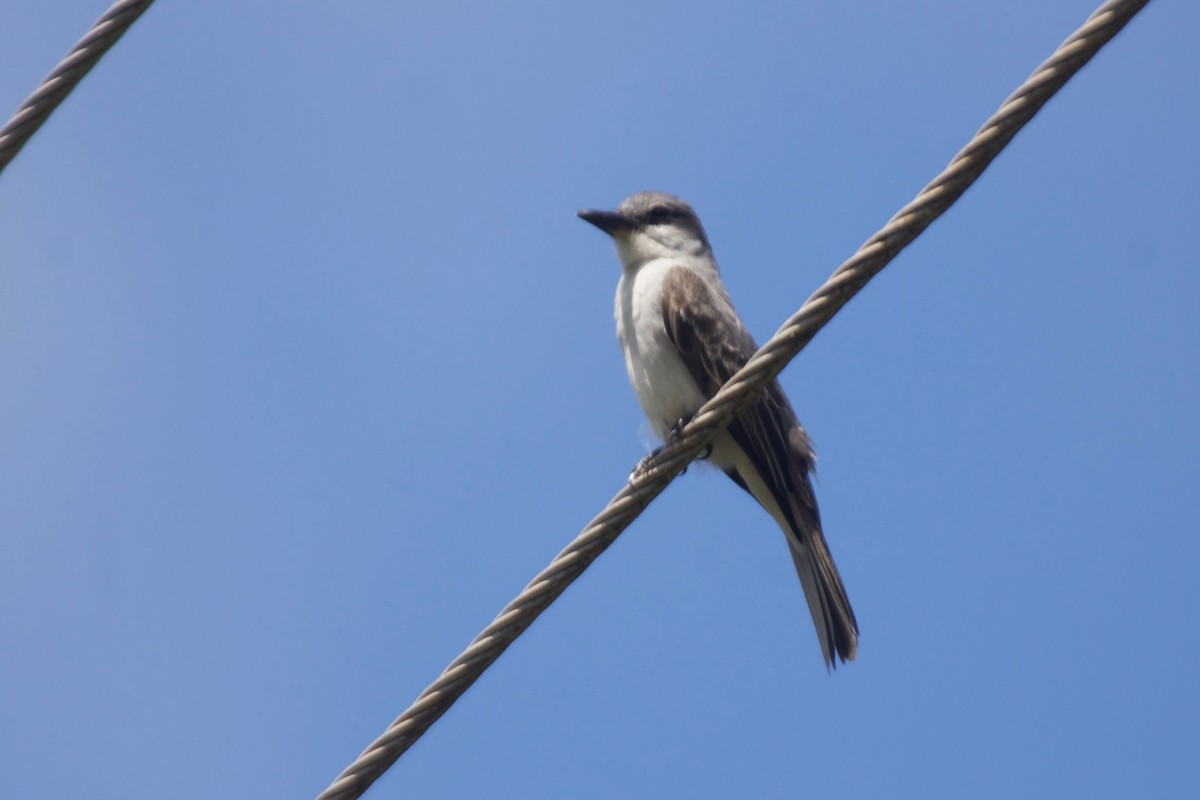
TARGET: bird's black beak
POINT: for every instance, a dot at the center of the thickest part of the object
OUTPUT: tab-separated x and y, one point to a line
611	222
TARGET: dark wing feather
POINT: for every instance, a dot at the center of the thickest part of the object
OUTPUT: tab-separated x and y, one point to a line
714	344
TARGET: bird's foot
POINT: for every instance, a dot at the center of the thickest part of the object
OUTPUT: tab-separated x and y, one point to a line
675	434
643	466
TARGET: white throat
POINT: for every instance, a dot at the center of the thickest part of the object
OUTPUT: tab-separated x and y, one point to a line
639	247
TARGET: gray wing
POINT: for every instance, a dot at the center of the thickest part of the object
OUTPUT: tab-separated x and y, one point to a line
714	344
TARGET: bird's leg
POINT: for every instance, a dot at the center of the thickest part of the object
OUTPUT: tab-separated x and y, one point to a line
643	466
674	436
677	434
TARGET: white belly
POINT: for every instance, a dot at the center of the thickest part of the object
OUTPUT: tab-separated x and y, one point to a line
663	385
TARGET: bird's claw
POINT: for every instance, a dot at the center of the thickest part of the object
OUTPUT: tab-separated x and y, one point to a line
643	466
675	435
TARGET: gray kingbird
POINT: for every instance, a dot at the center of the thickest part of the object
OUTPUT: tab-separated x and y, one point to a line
682	341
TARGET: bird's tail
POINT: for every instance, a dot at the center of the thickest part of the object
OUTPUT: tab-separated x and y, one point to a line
772	460
827	600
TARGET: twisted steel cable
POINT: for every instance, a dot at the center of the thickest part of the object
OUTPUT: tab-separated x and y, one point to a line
765	365
59	83
741	389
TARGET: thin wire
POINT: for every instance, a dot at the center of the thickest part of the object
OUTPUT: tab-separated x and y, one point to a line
741	389
59	83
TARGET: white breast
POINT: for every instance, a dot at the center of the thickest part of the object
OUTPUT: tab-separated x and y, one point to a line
663	385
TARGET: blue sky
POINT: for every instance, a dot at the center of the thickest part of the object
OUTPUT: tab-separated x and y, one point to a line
307	367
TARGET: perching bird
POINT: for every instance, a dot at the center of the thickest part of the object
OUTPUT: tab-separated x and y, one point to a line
682	341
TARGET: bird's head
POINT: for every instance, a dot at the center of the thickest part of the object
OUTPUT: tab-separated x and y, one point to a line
650	225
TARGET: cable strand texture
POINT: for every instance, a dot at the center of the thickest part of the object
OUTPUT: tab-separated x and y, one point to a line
765	365
63	78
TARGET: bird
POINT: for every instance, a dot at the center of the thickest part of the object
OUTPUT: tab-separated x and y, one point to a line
682	340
